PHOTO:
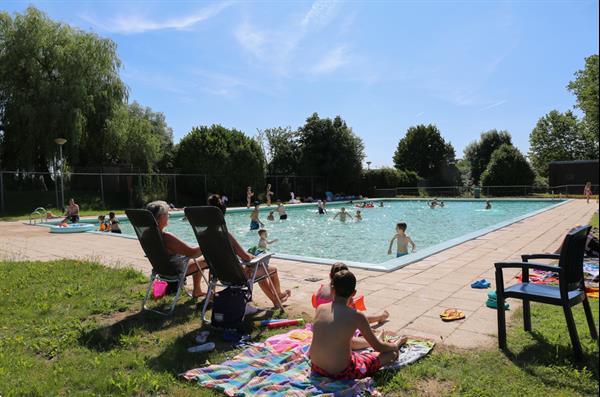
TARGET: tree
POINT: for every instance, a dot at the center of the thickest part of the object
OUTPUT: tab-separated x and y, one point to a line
387	178
329	148
556	136
479	153
55	81
585	88
282	150
507	167
235	159
424	151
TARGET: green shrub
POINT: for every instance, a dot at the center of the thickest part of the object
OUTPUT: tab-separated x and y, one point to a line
508	167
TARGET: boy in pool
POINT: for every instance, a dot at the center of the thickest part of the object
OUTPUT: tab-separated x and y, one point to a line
263	243
255	223
270	217
281	211
488	205
358	216
403	241
343	215
113	223
321	208
334	327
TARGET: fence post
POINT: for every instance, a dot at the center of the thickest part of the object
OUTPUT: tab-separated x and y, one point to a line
1	191
175	189
205	188
102	191
312	186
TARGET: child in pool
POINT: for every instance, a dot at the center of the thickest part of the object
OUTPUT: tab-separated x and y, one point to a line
263	243
488	205
113	223
343	215
323	295
270	217
102	223
358	216
255	223
403	241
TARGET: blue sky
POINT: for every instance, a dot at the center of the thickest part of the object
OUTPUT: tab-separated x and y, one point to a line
466	66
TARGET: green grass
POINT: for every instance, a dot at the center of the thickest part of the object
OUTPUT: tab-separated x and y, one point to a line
73	328
594	220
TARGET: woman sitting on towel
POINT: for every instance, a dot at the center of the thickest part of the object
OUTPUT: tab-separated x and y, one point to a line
264	284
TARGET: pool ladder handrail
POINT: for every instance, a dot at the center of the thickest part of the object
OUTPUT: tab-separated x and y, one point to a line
38	212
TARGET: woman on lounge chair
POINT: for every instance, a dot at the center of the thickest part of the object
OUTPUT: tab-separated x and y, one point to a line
181	255
264	284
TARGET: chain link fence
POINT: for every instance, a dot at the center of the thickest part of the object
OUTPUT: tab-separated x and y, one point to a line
485	191
22	192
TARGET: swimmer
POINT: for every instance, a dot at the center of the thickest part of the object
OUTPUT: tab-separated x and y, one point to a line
381	204
488	205
321	208
402	241
343	215
281	210
255	223
358	216
263	243
270	217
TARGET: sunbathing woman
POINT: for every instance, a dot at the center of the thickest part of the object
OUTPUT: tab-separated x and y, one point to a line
264	284
181	255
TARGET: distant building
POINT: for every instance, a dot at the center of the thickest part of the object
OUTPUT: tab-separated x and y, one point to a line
575	172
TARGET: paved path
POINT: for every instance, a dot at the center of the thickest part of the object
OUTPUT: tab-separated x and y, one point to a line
414	296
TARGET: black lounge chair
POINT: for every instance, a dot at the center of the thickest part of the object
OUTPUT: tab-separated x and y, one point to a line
225	267
570	290
152	243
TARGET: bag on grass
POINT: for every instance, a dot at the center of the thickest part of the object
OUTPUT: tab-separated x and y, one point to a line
159	289
229	307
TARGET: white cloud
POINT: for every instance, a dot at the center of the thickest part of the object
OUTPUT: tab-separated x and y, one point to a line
332	61
495	104
320	13
134	23
251	39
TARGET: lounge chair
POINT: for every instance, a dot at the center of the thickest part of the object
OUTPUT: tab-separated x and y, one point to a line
152	243
208	224
569	292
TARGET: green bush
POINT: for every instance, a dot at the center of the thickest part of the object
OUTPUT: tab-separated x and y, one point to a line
508	167
387	178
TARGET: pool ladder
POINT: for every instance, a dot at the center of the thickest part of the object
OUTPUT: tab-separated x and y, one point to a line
39	212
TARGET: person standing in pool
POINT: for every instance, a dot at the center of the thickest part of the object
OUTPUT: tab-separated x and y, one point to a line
488	205
72	212
358	216
281	211
249	195
255	223
343	215
268	194
402	241
321	208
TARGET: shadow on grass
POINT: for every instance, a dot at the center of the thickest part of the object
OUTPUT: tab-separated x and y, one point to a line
107	337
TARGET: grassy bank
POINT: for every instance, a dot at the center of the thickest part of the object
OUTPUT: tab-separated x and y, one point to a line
76	330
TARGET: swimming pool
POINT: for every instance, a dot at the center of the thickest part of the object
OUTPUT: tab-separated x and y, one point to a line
307	236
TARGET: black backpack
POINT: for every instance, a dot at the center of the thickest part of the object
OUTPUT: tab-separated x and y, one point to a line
229	307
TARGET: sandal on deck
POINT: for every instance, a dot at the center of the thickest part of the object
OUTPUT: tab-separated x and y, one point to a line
481	284
452	315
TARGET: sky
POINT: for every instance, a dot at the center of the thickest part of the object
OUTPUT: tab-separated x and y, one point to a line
383	66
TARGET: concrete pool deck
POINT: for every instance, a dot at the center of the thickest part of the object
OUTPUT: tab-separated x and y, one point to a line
414	295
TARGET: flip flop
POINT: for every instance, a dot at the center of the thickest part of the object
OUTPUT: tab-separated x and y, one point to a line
493	304
452	315
481	284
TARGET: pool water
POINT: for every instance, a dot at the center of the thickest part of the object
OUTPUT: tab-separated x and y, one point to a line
307	234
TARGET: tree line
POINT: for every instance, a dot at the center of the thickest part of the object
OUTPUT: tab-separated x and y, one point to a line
59	81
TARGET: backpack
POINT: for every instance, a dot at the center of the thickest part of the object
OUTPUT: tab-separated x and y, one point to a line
229	307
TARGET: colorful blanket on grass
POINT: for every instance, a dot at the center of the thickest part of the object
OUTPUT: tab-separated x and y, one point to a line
280	367
590	272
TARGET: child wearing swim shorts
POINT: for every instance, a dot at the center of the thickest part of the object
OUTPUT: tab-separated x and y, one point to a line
255	223
402	241
334	327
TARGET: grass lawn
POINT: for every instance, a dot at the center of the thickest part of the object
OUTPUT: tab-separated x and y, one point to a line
594	220
73	328
56	211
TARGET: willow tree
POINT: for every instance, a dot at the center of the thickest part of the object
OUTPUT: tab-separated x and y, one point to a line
55	81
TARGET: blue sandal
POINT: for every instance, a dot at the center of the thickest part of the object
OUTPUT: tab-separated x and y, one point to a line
481	284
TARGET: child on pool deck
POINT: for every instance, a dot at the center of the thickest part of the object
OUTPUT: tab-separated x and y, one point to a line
324	295
402	241
334	328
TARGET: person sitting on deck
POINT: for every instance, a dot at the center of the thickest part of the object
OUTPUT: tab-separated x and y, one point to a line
181	255
215	201
334	327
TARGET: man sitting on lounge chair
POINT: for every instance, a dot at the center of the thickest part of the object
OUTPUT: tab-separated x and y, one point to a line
264	284
181	255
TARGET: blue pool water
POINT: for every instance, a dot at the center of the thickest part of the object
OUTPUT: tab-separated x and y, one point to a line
308	234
